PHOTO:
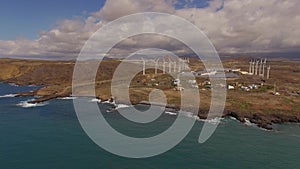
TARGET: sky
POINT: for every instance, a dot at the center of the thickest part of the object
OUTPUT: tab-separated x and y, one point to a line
27	18
59	28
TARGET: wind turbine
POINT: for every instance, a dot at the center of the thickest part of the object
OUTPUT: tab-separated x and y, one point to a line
174	66
256	67
260	67
144	66
264	66
156	65
250	67
268	72
170	65
164	65
253	66
179	65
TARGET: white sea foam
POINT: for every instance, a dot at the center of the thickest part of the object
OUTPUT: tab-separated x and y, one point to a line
120	106
171	113
248	123
26	104
215	120
190	115
8	95
13	84
263	129
108	102
95	100
232	118
67	98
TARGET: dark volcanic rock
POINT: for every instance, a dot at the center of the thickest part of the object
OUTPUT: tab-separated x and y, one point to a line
265	126
23	94
235	115
43	99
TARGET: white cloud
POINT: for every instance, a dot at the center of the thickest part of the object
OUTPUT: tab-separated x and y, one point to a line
65	40
250	26
234	26
114	9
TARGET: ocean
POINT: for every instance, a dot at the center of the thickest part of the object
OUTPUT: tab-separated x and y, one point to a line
49	136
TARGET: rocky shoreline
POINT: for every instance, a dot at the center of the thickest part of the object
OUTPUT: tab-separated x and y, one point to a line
257	106
264	121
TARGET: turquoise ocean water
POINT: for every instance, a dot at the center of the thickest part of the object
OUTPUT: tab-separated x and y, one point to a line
49	136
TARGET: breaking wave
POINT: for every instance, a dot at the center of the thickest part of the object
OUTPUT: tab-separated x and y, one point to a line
190	115
233	118
108	102
67	98
248	123
120	106
171	113
13	84
8	95
215	120
95	100
26	104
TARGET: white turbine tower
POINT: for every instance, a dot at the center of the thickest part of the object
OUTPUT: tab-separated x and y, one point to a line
156	65
179	65
185	63
174	66
268	72
164	65
256	67
144	66
253	66
170	65
264	66
260	67
250	67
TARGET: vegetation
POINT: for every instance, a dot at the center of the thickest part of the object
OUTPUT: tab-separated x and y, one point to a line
56	77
